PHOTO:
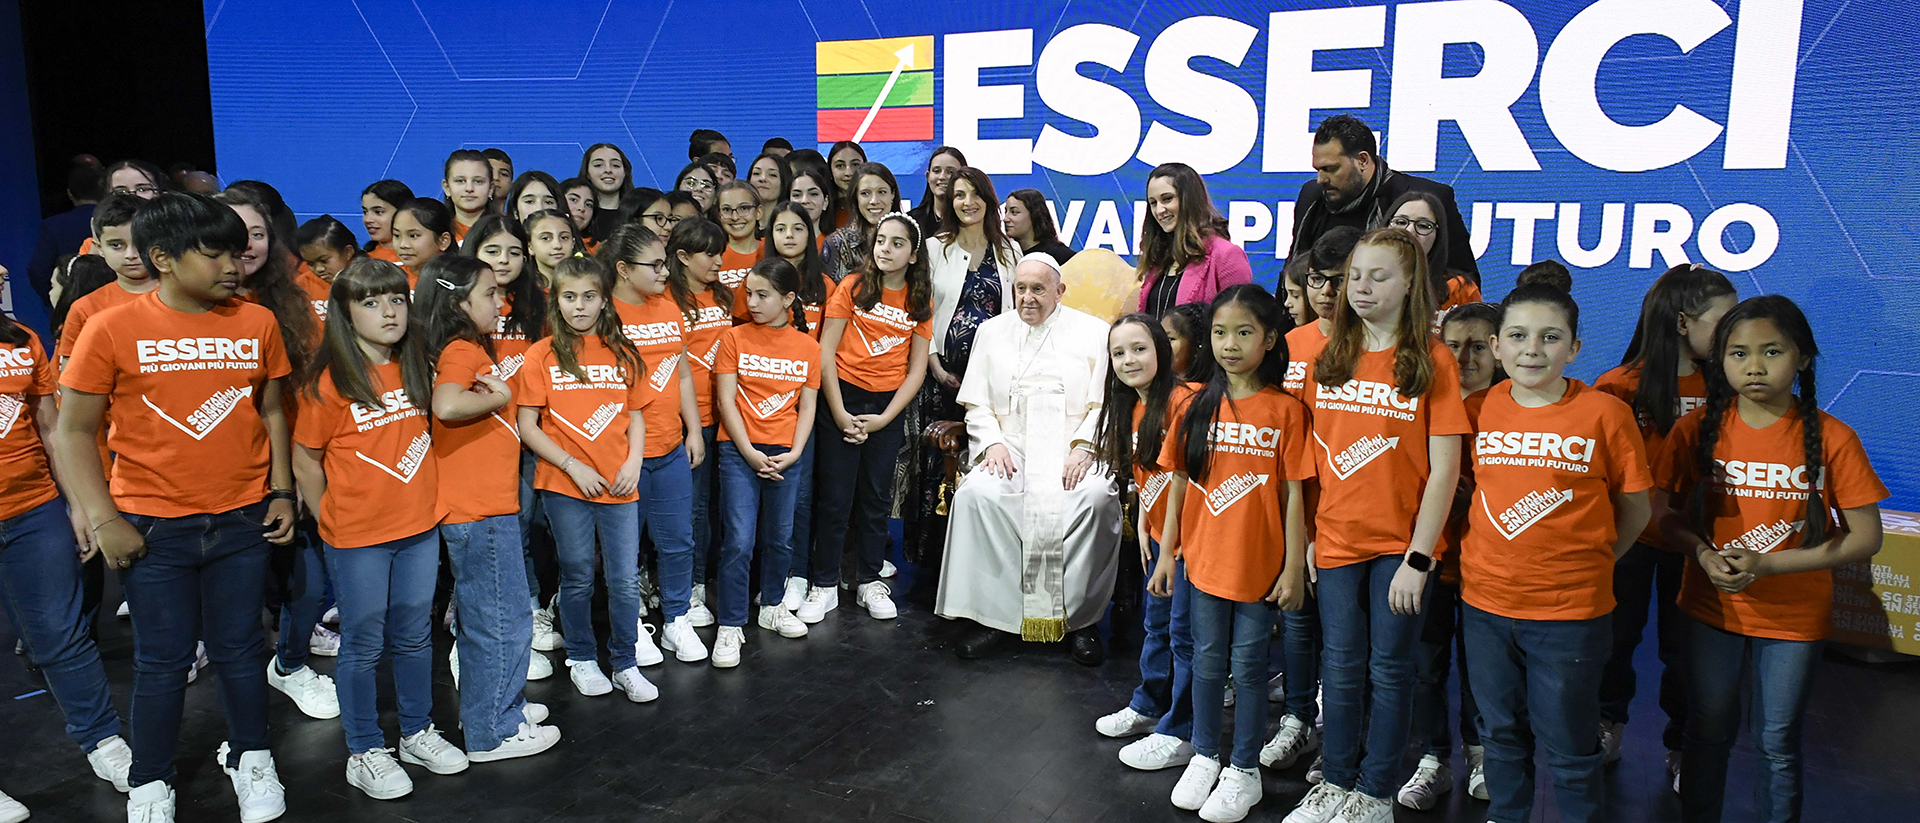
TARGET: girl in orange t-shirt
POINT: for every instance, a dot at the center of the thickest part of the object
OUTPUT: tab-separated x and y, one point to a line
550	239
790	237
379	202
1187	337
467	181
1753	480
326	246
1662	376
765	380
738	208
365	461
1560	493
694	259
422	230
1237	519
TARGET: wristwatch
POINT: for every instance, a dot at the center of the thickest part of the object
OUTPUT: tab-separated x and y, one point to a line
1419	562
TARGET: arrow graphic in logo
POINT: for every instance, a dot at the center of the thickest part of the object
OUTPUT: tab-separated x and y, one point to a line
10	407
1527	511
1231	490
1358	455
595	424
208	417
1156	486
770	406
508	366
905	55
410	462
664	372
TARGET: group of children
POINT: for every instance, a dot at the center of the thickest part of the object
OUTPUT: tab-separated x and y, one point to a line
1398	494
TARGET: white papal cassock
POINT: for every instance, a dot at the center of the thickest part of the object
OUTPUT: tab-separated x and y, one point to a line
1024	554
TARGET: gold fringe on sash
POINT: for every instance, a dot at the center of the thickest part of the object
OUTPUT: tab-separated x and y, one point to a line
1043	629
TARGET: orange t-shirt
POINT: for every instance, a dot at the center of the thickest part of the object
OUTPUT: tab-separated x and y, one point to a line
183	393
1622	382
702	336
734	267
1233	526
86	246
479	458
382	478
1461	290
509	347
1151	486
1449	543
1303	346
460	231
26	372
588	419
83	309
384	253
656	329
1371	447
816	313
316	289
1539	534
771	365
874	349
1761	506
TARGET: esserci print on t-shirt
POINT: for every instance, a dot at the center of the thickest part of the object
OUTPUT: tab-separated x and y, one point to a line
590	419
702	335
26	373
657	329
382	480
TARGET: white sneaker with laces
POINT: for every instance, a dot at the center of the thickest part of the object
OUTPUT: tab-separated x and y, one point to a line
877	598
200	662
311	692
149	803
587	678
680	639
111	760
1155	752
532	739
325	642
1363	808
332	616
1196	783
1432	778
1611	735
125	612
697	612
539	667
1320	805
645	652
1125	723
256	784
887	569
635	685
427	748
820	600
795	594
546	637
778	619
726	647
1236	794
1477	772
1294	738
13	811
376	773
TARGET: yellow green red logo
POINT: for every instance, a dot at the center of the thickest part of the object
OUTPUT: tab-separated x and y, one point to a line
878	90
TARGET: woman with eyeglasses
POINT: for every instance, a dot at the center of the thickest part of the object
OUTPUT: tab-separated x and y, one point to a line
1418	213
698	180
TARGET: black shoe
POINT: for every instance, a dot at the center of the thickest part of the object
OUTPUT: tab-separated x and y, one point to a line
1085	647
981	643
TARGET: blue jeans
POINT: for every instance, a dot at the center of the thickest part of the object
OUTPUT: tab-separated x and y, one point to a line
706	527
860	491
496	626
1166	656
1367	645
308	587
1536	679
1221	629
666	510
40	586
1781	678
802	549
386	603
756	511
1434	657
1300	651
574	523
1644	572
203	578
529	518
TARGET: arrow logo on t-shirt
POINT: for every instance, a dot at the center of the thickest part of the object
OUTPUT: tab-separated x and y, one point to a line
410	462
508	366
1527	511
877	346
1231	490
10	407
595	425
663	372
707	359
1357	456
1767	536
1156	485
772	405
210	414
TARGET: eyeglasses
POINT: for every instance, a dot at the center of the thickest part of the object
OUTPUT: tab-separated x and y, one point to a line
1422	226
655	265
1316	280
739	211
695	184
661	220
144	190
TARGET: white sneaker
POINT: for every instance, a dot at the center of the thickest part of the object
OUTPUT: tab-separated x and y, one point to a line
587	678
1125	723
820	600
1322	802
876	598
1238	792
778	619
256	784
726	647
1610	737
1363	808
645	652
111	759
795	594
311	692
697	612
13	811
1673	770
1317	772
1432	778
453	663
1277	688
200	662
427	748
539	667
535	713
1155	752
332	616
680	639
546	637
1231	694
125	612
1293	739
1477	772
887	569
149	803
1196	783
325	642
532	739
376	773
636	685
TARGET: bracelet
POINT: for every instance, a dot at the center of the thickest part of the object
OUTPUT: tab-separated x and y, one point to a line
570	461
96	529
281	494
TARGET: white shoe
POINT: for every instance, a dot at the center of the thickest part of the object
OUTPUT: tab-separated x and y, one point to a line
587	678
256	784
819	601
680	639
645	652
1673	770
1196	783
1277	688
876	598
1317	772
325	642
539	667
795	594
1155	752
200	662
1477	772
1125	723
1238	792
1294	738
376	773
125	612
636	685
697	612
535	713
1432	778
149	803
1231	694
13	811
1610	737
546	637
453	663
332	616
311	692
532	739
111	759
887	569
778	619
726	647
427	748
1322	802
1362	808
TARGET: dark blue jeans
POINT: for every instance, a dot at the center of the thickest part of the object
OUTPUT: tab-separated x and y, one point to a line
1366	645
858	492
802	475
40	586
1780	680
386	603
755	511
307	587
666	512
496	626
1435	656
1230	634
575	522
203	578
1166	656
530	519
1642	574
1300	651
1535	680
706	527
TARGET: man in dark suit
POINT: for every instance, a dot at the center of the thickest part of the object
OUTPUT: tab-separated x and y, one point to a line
62	234
1352	186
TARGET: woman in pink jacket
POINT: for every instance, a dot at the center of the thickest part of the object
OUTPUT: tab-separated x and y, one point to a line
1185	256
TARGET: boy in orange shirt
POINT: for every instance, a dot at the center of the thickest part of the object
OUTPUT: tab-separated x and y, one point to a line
113	237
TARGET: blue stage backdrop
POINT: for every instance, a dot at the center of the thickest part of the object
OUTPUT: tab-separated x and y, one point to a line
1770	139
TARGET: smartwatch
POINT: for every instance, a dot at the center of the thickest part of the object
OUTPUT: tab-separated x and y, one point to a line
1419	562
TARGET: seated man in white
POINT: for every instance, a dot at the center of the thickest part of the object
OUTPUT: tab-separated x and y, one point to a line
1034	532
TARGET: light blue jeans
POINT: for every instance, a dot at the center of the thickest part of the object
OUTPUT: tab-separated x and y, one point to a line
575	522
386	602
496	626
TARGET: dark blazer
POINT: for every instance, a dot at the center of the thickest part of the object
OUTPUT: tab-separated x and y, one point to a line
1312	217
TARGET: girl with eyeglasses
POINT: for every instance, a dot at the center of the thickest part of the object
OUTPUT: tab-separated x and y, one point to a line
1419	213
